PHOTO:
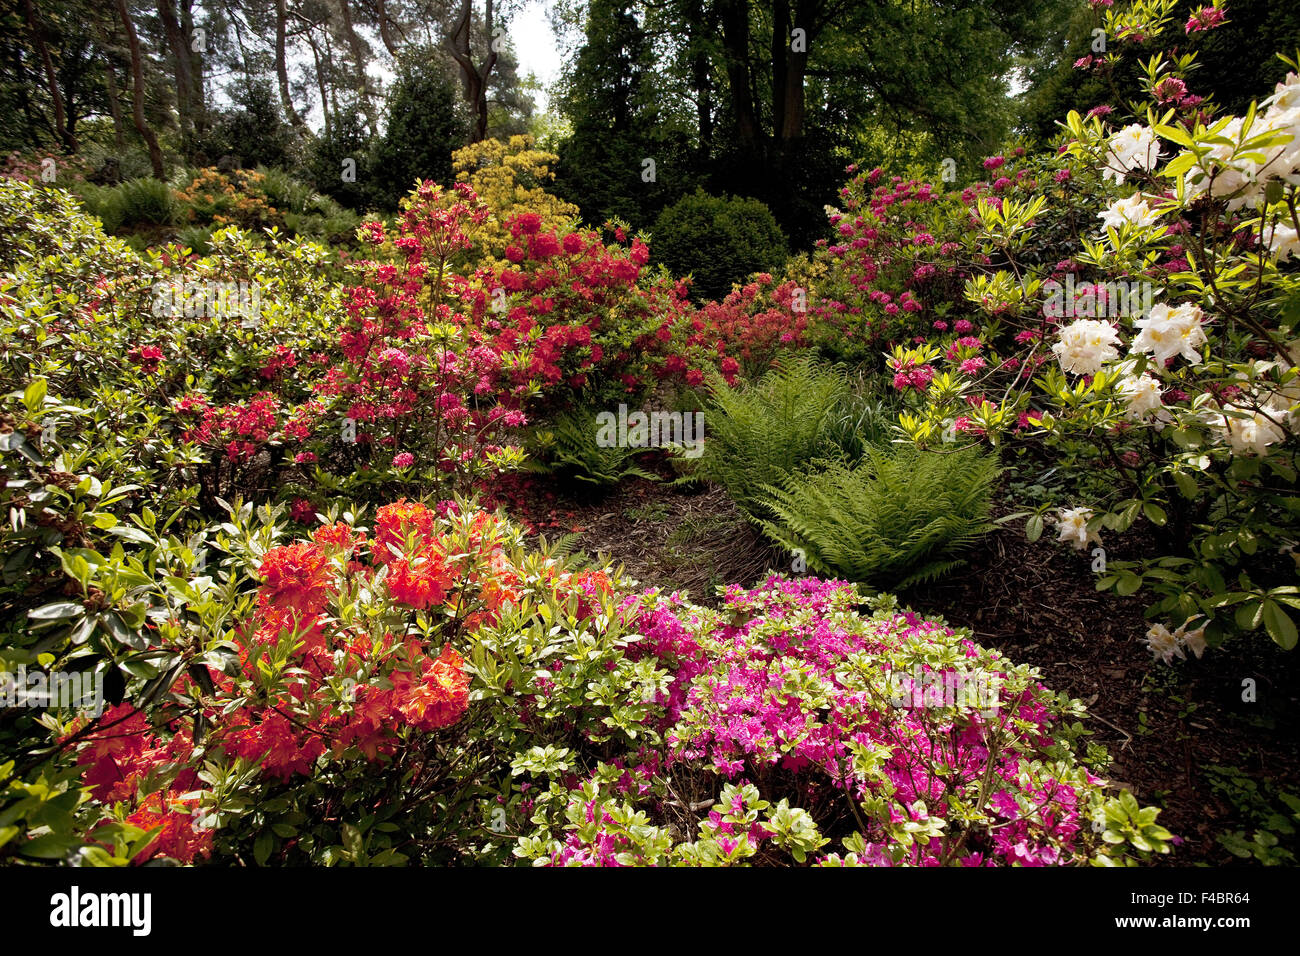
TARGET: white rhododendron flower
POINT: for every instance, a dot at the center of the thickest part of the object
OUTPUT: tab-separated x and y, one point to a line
1166	645
1073	527
1086	345
1242	178
1286	95
1168	332
1229	176
1133	147
1194	641
1247	430
1143	394
1283	242
1133	210
1283	406
1162	644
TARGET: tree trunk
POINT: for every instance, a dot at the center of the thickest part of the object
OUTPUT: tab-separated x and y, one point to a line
792	106
386	31
180	70
475	78
137	93
114	107
780	65
364	89
735	39
60	120
700	81
198	103
320	82
282	69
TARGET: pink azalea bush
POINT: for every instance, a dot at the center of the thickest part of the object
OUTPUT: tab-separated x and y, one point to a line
890	733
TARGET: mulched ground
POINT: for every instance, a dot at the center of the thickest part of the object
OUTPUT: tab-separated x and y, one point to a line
1163	726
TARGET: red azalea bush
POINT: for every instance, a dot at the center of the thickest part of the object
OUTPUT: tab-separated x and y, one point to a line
413	380
587	312
351	657
741	335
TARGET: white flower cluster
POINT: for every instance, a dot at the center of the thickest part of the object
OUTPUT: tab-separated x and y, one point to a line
1248	430
1143	394
1240	174
1259	419
1073	527
1134	210
1133	147
1165	645
1086	345
1168	332
1283	241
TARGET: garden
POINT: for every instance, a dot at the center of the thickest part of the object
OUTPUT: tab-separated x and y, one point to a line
442	491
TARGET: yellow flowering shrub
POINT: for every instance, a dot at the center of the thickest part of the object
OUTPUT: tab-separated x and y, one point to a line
511	178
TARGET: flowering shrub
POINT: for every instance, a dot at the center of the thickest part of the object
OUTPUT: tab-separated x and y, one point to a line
38	167
510	178
895	263
743	334
1127	312
333	721
852	721
413	381
235	198
587	311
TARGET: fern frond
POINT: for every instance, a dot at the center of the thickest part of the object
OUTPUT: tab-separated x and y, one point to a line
897	517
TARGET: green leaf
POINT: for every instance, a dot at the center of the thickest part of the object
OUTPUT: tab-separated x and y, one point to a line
34	395
57	611
51	846
1247	616
134	535
1186	484
1279	625
263	846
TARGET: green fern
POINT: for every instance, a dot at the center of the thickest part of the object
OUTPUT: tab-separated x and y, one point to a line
758	434
573	449
145	202
898	517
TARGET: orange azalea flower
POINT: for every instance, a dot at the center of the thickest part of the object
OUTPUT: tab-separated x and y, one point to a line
394	522
295	576
337	536
442	697
421	581
177	837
